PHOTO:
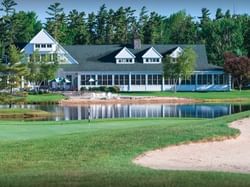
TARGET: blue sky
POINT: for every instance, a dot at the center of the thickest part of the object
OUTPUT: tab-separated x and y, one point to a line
164	7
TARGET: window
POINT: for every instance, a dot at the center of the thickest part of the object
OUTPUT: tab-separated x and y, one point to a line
193	82
188	81
138	79
49	45
37	45
43	45
173	60
149	60
204	79
121	79
69	77
150	79
104	79
50	56
169	81
133	79
154	79
43	58
220	79
209	79
85	79
124	60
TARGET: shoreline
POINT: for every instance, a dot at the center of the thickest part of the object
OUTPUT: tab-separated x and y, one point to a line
129	100
228	155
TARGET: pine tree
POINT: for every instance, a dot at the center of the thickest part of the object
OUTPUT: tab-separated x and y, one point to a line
219	14
8	7
6	26
91	27
101	23
56	22
77	28
11	75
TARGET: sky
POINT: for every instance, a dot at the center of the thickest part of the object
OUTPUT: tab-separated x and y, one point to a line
163	7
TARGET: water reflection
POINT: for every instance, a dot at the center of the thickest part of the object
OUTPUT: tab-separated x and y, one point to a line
138	111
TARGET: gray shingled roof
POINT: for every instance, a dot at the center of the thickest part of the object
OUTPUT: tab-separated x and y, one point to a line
102	58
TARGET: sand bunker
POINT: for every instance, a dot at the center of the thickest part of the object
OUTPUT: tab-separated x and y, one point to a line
231	155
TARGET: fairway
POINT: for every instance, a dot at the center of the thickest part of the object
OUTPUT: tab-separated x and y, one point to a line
231	96
76	153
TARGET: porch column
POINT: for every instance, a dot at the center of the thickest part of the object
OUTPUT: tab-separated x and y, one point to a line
113	79
163	83
22	82
229	82
212	79
129	81
79	112
196	81
79	82
96	80
146	82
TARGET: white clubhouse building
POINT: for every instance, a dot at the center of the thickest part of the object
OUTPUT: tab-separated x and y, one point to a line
134	67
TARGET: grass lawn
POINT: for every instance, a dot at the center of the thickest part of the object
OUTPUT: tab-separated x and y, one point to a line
205	96
22	113
75	153
51	98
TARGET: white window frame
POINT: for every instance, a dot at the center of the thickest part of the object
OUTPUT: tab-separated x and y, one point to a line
152	60
125	60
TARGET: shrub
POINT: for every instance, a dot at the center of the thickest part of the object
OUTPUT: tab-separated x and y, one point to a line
114	89
104	89
83	89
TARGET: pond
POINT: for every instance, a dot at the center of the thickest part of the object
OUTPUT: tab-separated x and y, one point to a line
137	111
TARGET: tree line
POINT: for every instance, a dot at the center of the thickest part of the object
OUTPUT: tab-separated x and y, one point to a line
225	32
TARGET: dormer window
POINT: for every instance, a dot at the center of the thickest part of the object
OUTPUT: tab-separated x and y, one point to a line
176	53
124	60
125	57
174	60
38	46
152	56
149	60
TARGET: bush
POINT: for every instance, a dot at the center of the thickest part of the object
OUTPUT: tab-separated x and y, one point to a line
114	89
84	89
104	89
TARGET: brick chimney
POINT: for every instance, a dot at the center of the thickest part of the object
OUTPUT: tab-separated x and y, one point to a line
137	43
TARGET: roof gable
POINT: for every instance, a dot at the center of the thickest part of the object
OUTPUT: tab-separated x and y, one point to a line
43	37
176	53
125	53
152	53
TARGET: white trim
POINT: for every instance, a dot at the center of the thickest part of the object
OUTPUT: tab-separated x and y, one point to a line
126	50
67	55
154	50
176	53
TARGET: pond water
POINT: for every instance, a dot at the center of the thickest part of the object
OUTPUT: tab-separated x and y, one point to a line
137	111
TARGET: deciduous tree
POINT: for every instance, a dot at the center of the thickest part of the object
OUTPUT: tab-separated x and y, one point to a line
181	67
238	67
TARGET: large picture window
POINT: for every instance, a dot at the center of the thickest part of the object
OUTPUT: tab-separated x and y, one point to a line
121	79
220	79
104	79
154	79
138	79
85	79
